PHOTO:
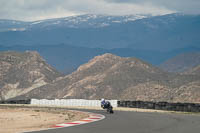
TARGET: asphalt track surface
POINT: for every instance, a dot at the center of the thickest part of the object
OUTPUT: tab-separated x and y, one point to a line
136	122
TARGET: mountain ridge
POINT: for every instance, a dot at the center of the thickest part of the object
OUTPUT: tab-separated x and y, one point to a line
161	32
79	21
66	59
114	77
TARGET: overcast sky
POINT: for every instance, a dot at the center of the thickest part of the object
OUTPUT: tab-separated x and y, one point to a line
30	10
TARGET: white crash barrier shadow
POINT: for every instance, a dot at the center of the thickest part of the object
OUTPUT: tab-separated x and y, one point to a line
71	102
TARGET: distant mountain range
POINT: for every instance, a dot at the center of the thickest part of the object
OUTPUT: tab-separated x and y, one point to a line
139	32
114	77
82	21
104	56
66	43
66	58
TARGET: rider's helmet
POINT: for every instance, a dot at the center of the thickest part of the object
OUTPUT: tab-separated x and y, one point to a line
102	100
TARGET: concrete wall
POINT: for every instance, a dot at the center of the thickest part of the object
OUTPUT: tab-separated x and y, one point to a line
71	102
185	107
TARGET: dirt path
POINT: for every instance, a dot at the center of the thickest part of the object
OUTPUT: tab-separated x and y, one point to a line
18	119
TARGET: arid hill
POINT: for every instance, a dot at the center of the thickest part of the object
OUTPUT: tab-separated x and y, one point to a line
193	71
182	62
113	77
23	72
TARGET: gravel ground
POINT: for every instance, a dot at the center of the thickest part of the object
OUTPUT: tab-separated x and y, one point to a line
17	119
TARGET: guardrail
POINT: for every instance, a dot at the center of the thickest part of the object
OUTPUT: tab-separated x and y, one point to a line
184	107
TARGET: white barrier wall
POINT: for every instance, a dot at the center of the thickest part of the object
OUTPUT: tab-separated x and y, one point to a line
71	102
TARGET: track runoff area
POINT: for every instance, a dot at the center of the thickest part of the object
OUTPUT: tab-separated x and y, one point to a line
130	121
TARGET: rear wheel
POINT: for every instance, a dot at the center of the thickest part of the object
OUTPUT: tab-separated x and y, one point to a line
110	110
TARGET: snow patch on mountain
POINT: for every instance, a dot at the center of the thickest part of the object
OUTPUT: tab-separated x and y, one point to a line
36	22
17	29
133	18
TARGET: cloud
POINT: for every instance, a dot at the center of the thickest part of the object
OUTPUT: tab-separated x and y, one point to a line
42	9
103	7
184	6
33	9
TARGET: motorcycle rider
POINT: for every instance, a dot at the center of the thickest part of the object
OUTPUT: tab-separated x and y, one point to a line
105	104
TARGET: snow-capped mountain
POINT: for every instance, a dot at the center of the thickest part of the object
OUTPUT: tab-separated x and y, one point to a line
165	32
12	25
72	41
81	21
85	21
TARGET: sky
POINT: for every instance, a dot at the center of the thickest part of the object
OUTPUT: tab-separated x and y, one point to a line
32	10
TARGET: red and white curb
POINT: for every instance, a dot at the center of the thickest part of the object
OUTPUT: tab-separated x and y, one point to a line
92	118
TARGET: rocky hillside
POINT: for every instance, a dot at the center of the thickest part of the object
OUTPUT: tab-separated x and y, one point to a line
182	62
23	72
113	77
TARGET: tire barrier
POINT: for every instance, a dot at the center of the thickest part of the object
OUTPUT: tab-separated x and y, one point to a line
16	102
183	107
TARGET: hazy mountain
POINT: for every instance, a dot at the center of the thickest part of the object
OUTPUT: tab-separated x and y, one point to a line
66	58
23	72
153	39
114	77
12	25
182	62
193	71
82	21
159	33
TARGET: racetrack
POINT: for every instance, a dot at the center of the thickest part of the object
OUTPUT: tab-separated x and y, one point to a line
136	122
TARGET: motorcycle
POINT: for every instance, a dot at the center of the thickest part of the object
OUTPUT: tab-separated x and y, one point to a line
108	107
